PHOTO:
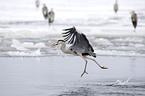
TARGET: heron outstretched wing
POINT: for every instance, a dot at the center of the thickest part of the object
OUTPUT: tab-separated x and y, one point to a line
80	43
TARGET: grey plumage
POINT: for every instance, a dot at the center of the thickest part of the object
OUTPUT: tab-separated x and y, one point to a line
45	11
80	46
51	16
80	43
134	19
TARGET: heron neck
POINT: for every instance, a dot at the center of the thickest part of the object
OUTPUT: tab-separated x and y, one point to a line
63	47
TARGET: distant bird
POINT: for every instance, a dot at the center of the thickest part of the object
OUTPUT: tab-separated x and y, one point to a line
51	16
80	46
45	11
116	7
134	19
37	3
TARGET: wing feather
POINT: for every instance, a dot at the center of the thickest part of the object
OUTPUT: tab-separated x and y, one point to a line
66	35
72	39
78	40
67	38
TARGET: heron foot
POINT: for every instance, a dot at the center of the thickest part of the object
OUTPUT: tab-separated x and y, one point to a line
84	73
104	67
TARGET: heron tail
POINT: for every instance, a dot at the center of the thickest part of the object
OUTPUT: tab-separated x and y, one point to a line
92	54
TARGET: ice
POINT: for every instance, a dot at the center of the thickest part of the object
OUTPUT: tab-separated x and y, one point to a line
18	53
16	44
119	82
137	45
30	67
118	53
23	46
110	34
19	47
31	45
22	33
102	41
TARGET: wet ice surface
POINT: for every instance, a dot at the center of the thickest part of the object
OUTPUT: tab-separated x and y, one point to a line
30	67
61	76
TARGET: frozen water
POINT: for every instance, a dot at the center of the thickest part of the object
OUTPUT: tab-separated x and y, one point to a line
24	54
45	71
109	33
119	82
61	76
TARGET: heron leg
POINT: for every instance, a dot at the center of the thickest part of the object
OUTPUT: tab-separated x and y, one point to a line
85	66
97	63
84	69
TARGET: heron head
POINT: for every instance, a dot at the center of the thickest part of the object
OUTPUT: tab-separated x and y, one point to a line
56	43
51	9
44	4
132	12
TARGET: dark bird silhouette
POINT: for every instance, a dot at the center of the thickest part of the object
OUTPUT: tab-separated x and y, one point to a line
80	46
116	7
134	19
45	11
51	16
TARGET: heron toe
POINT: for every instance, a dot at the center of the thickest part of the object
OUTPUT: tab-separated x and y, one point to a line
84	73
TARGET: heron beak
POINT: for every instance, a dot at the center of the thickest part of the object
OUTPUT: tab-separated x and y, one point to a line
104	67
54	44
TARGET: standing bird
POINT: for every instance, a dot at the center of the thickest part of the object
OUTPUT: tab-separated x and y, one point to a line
37	3
134	19
51	16
45	11
116	7
80	46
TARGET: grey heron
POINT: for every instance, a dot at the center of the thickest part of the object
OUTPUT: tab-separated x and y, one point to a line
134	19
116	7
80	46
45	11
51	16
37	3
